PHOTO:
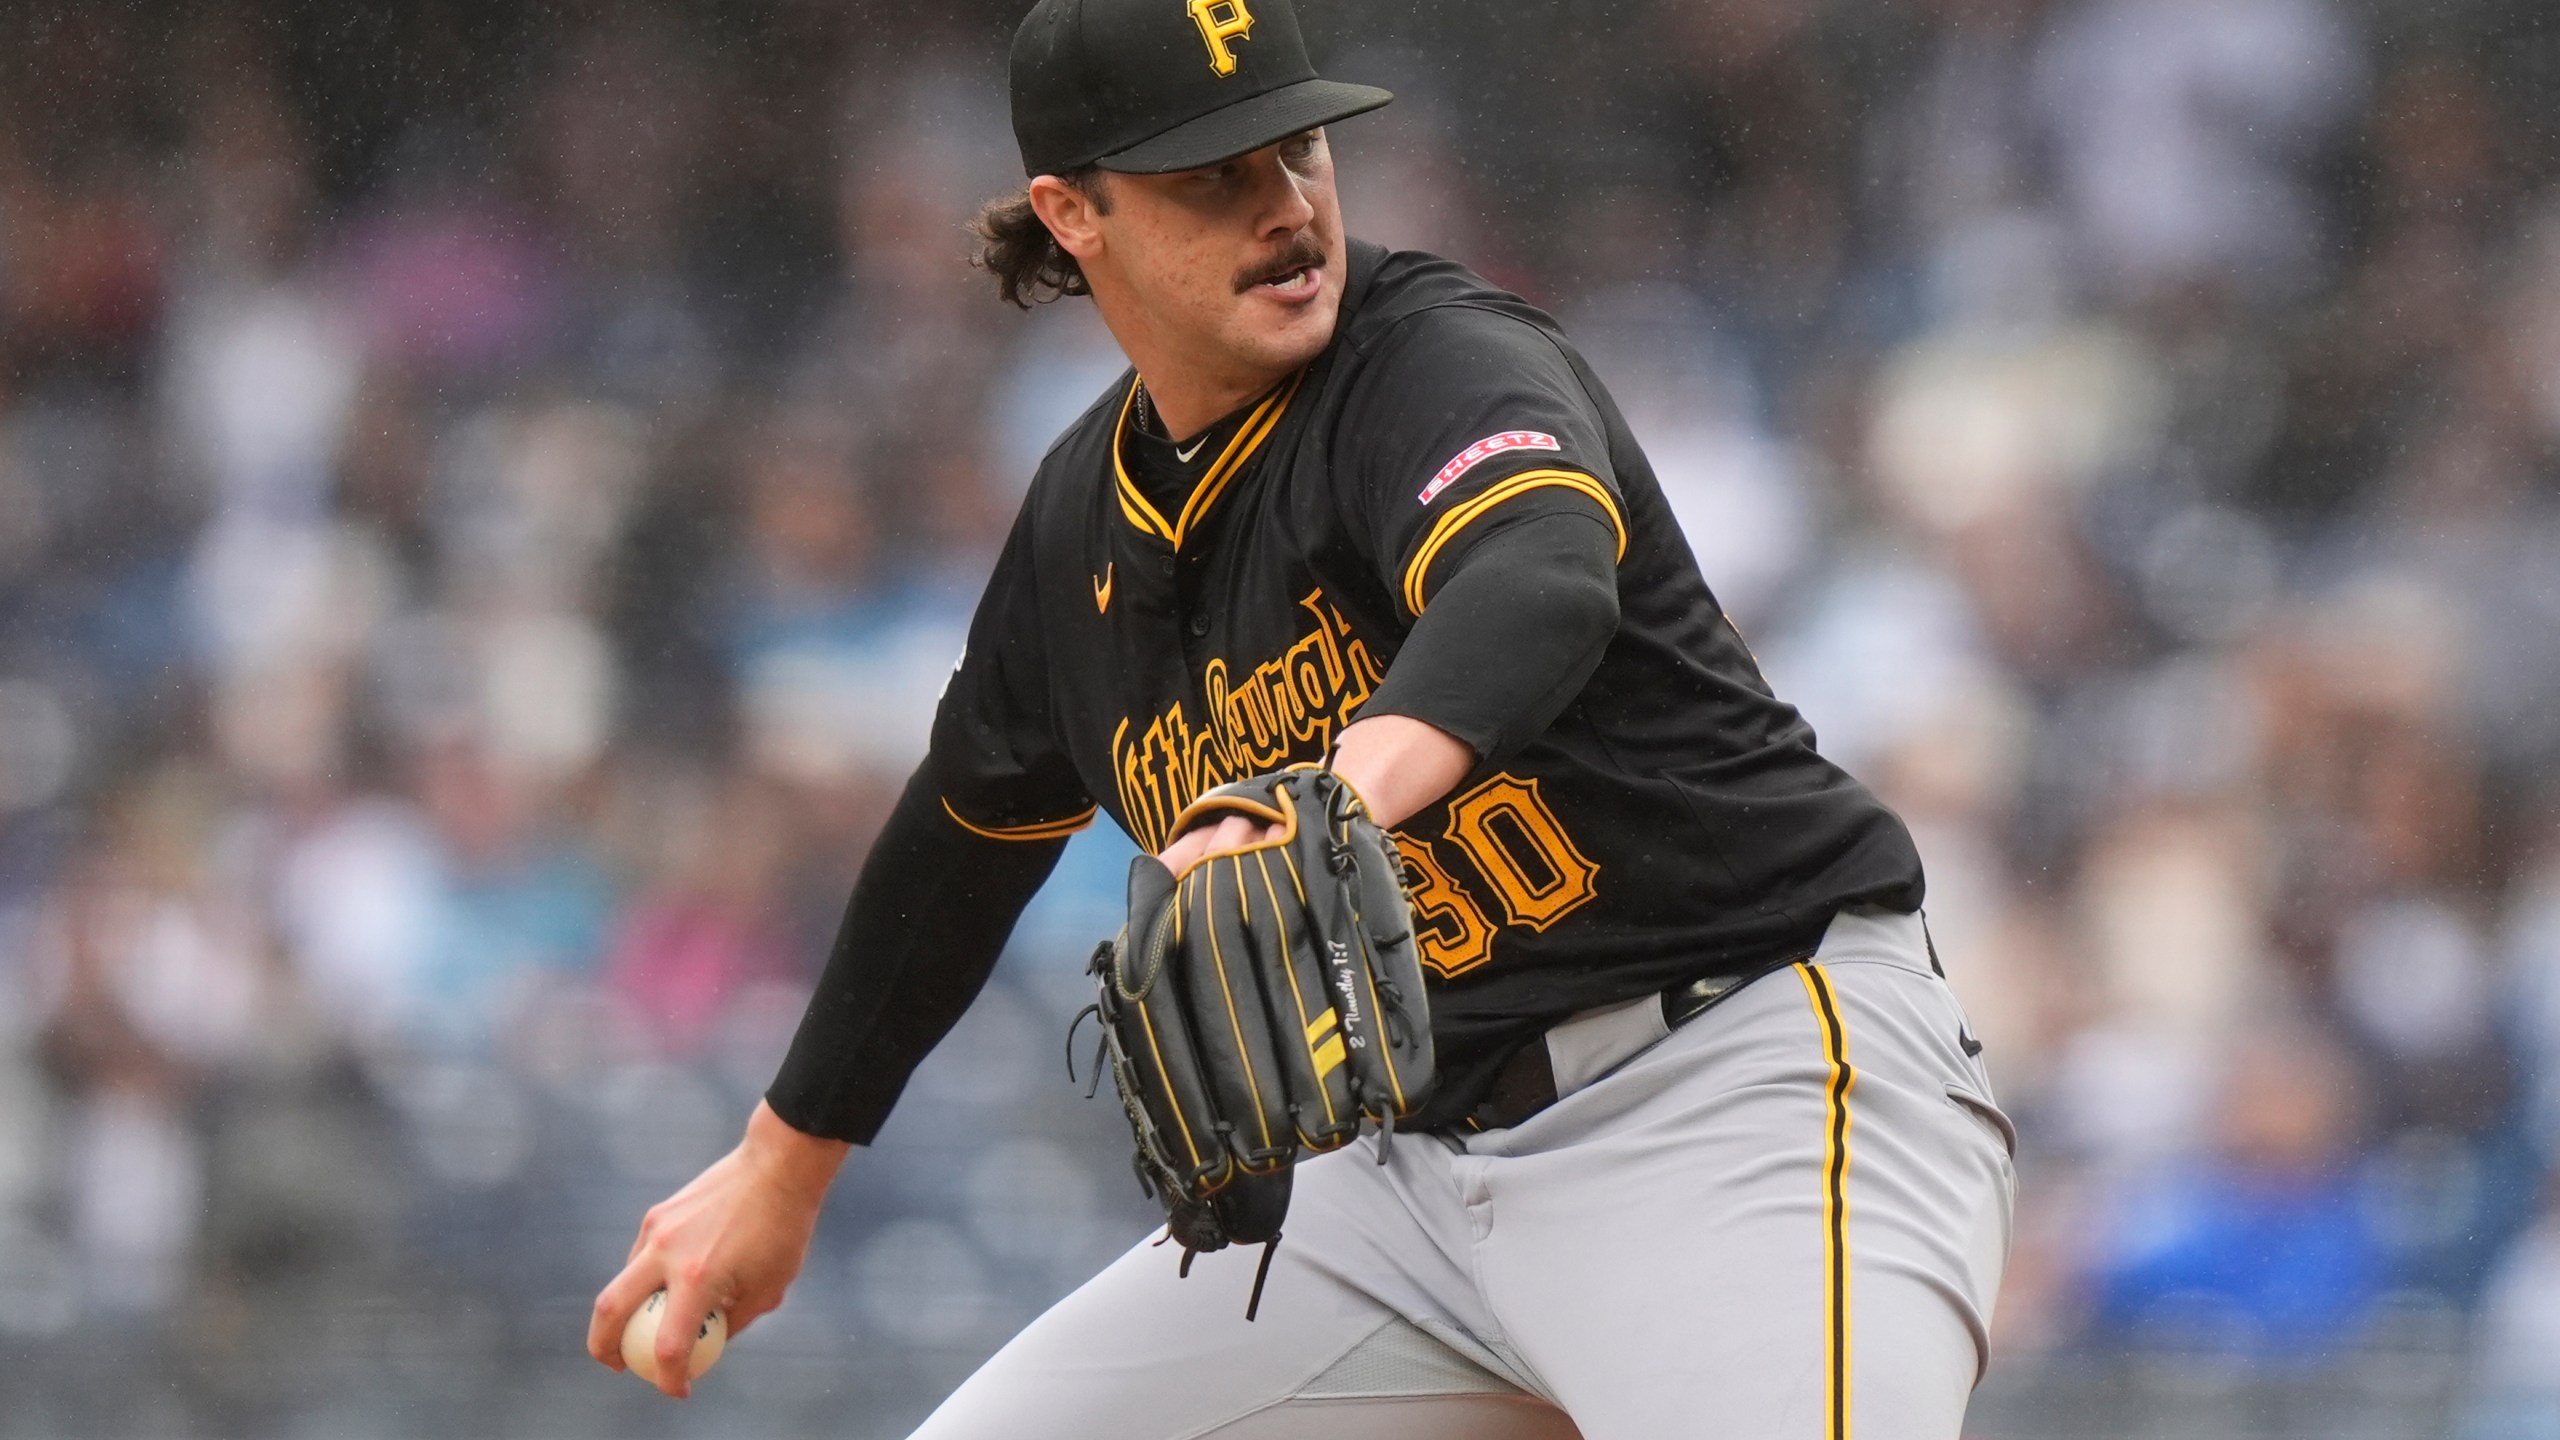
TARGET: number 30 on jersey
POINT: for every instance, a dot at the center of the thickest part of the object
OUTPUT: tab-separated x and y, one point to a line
1514	854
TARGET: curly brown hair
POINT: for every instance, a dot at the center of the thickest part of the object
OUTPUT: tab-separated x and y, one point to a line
1030	266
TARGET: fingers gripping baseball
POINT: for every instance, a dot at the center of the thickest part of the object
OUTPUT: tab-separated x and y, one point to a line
731	1241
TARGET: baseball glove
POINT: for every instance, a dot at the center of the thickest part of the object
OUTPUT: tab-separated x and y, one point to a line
1265	1001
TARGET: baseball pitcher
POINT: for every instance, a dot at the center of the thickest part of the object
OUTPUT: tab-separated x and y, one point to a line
1529	1032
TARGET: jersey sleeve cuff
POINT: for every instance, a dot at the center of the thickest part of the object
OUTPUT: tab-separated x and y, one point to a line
1417	573
1037	830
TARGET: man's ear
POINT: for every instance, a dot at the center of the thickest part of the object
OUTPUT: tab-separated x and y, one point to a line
1073	214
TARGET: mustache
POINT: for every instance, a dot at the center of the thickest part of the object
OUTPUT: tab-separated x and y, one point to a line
1304	253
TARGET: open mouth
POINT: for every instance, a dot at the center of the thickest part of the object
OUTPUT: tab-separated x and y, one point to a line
1293	274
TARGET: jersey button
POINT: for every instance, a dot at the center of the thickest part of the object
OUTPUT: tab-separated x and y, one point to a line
1164	565
1199	625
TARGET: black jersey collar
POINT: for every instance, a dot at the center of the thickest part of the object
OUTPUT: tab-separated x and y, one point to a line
1257	427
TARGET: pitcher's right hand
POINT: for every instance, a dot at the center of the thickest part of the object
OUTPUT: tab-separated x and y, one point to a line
732	1240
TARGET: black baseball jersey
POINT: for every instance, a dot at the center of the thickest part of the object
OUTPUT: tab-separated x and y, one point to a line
1674	822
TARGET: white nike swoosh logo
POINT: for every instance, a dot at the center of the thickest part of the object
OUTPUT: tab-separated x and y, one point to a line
1185	455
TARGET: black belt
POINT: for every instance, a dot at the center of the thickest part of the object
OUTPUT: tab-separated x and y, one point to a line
1526	1083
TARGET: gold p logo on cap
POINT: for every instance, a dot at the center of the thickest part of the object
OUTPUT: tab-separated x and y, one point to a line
1221	21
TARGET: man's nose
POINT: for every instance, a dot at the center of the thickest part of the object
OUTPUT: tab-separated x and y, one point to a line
1286	208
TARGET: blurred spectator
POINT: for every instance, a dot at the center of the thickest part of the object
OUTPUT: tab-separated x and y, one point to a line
518	899
148	978
703	931
2187	136
2264	1247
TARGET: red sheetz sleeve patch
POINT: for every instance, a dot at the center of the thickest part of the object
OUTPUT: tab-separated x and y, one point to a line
1481	451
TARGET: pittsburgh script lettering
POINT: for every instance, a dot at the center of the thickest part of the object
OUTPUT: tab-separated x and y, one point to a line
1288	709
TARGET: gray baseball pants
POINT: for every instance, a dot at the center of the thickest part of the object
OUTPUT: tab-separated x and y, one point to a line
1787	1218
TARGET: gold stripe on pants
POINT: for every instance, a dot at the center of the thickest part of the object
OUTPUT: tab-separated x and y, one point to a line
1835	1193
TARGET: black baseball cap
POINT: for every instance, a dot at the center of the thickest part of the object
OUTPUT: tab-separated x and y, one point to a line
1149	86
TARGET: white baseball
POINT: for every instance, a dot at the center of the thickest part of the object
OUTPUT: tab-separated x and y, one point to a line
640	1339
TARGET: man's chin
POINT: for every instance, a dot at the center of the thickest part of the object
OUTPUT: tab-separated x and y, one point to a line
1293	337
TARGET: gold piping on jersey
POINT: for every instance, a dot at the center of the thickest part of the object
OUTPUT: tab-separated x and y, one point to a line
1835	1195
1501	490
1039	830
1248	438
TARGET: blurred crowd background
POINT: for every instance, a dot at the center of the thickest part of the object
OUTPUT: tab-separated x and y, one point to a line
488	493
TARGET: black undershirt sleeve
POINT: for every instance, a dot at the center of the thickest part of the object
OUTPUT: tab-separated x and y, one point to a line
928	919
1513	632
